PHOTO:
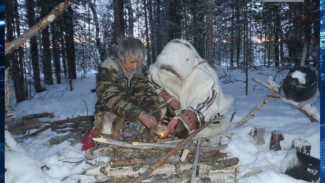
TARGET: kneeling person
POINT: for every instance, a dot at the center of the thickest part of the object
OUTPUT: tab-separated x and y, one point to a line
188	82
123	91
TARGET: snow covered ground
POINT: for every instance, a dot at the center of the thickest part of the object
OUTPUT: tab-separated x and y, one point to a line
34	161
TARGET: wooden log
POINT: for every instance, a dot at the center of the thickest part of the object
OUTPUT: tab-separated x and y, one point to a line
258	135
57	11
276	137
224	175
38	115
301	146
130	162
196	159
225	163
12	121
170	153
130	171
139	161
313	115
186	151
257	108
137	145
207	157
55	123
21	126
217	150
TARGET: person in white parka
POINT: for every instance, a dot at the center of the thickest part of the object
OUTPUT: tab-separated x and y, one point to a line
187	81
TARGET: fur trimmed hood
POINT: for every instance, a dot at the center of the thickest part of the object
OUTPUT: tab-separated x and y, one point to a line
179	56
179	70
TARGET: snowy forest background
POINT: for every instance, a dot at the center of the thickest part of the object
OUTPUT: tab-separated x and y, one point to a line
235	34
55	72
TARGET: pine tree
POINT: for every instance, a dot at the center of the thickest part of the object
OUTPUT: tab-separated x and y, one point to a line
30	5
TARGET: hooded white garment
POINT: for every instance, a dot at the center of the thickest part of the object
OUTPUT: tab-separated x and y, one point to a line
181	72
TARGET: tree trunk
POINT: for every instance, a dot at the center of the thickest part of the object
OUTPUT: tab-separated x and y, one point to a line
317	32
63	49
98	43
147	32
159	41
238	33
46	52
198	29
19	90
276	36
119	29
152	33
304	56
55	52
246	49
20	53
175	17
232	47
130	27
210	37
70	48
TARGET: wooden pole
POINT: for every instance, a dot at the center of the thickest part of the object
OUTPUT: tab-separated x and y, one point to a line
196	160
57	11
312	115
169	154
257	108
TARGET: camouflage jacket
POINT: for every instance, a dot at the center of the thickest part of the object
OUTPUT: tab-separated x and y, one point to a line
125	96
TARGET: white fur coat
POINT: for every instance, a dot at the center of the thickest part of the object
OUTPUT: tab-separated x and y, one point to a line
181	72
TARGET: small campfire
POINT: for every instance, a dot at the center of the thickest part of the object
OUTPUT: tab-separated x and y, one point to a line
162	131
162	134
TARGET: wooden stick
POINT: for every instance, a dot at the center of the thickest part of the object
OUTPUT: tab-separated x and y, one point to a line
137	145
130	162
313	116
57	11
169	154
120	172
38	115
196	159
186	151
257	108
55	123
265	85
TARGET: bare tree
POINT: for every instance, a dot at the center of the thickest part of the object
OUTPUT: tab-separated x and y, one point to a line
209	37
119	28
98	43
20	51
30	5
46	52
11	58
232	47
55	52
130	27
69	42
152	33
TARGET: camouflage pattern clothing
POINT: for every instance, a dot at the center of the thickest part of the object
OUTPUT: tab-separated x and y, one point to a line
126	95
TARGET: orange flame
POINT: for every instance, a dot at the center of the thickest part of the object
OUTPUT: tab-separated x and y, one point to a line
162	135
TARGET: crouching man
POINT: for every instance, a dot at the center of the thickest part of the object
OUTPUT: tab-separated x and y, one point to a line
188	82
123	91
